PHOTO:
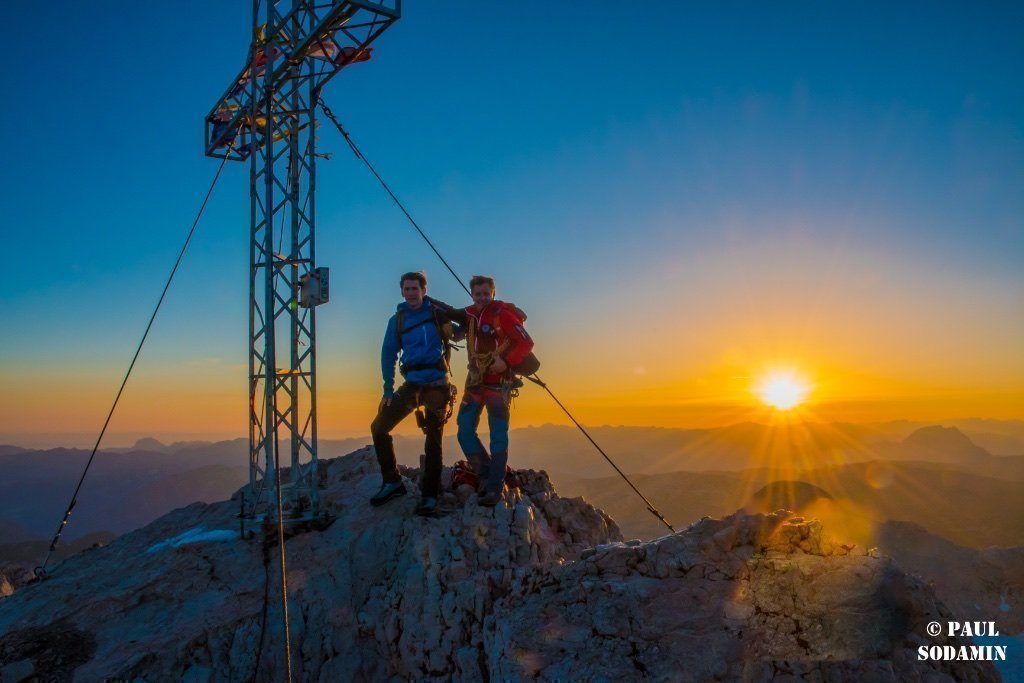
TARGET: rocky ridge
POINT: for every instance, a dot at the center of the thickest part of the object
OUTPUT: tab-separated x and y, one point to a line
540	587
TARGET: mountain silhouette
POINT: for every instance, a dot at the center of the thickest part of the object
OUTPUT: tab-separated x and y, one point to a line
942	444
950	500
786	495
128	488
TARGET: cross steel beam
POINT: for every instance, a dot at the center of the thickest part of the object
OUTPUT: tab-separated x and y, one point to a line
267	116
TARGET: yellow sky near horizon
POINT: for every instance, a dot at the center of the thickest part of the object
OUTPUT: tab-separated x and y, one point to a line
179	404
682	345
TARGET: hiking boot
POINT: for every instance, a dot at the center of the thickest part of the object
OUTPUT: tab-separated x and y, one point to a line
427	506
387	492
490	499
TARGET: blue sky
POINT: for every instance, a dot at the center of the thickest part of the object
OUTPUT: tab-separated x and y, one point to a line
593	157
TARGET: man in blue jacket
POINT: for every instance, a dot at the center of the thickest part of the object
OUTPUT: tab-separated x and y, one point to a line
419	330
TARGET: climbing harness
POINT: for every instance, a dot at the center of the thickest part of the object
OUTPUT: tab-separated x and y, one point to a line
448	410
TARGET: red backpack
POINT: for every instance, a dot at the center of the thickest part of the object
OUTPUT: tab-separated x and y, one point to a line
530	364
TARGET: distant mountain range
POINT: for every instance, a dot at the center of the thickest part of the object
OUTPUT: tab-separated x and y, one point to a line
718	469
12	532
970	509
125	488
564	452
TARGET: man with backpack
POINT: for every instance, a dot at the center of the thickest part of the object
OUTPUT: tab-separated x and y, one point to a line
497	343
421	330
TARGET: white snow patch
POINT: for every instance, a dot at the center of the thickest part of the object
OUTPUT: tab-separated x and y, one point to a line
197	535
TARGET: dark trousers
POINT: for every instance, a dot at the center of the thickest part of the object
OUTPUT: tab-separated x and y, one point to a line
406	399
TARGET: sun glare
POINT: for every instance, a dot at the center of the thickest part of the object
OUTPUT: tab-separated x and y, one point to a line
782	390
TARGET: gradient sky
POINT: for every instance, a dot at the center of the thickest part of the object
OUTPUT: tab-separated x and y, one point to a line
680	198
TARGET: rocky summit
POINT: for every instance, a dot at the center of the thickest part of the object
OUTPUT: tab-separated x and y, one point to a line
538	588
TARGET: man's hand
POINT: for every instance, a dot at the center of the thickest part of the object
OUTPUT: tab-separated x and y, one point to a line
385	401
498	366
439	305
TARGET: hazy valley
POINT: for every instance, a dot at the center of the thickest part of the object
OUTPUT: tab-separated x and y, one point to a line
935	476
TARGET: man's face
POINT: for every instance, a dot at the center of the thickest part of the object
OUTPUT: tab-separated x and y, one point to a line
413	293
482	296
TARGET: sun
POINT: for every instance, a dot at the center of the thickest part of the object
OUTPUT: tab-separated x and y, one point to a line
782	390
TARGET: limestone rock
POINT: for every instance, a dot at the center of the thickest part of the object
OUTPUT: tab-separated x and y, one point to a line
783	603
539	586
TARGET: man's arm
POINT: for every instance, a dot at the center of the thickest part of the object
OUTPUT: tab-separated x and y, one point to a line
450	313
458	318
388	358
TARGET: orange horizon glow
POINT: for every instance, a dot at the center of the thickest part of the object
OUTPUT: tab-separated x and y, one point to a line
200	404
684	348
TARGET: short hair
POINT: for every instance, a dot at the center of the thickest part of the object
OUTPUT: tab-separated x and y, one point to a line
477	280
417	275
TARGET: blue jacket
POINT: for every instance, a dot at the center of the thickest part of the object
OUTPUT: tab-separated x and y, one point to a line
421	344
